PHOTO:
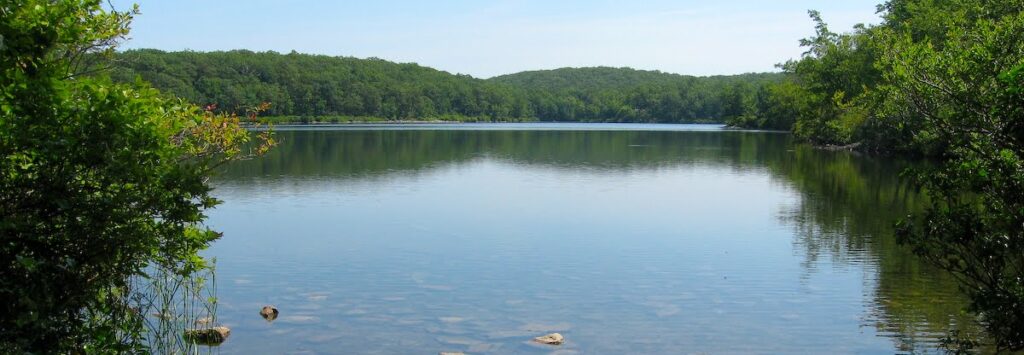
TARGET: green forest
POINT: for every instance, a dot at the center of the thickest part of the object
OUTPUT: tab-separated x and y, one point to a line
908	84
307	88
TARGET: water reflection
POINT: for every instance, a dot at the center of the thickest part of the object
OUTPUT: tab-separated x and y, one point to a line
394	240
348	154
847	209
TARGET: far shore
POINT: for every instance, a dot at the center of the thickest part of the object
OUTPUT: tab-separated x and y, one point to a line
313	122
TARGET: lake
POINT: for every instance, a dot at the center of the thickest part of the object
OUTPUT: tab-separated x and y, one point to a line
648	239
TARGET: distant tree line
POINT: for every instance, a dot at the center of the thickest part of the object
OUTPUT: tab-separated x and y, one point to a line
312	87
628	95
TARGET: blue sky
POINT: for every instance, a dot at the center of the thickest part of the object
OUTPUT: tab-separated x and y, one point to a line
488	38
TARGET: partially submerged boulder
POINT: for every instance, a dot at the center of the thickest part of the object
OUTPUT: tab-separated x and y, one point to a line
550	339
269	313
208	336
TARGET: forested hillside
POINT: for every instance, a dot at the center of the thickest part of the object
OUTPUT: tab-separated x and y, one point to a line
317	86
624	94
303	87
596	78
608	78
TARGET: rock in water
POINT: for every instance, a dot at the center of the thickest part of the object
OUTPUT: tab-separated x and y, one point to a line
209	336
269	313
550	339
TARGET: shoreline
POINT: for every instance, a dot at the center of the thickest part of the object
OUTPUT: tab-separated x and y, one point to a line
395	122
409	122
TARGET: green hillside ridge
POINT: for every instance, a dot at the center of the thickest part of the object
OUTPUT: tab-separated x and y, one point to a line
305	88
604	78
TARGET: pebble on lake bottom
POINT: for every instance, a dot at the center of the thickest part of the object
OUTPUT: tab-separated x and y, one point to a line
550	339
209	336
269	313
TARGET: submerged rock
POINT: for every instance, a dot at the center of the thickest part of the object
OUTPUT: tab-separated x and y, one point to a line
550	339
269	313
209	336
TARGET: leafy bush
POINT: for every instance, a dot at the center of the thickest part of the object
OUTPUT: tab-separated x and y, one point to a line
100	183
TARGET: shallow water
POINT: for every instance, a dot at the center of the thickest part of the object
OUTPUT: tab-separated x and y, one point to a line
624	238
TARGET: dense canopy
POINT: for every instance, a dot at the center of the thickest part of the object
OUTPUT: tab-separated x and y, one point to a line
315	87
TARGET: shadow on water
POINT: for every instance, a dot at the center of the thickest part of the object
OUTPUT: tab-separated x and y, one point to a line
845	209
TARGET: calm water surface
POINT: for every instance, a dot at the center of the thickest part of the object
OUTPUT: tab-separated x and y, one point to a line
624	238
